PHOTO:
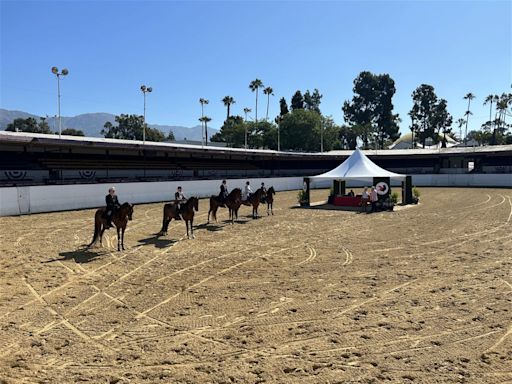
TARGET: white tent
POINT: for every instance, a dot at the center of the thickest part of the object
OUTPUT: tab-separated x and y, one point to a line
357	166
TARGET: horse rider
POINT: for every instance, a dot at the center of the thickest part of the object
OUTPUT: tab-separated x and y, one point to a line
264	194
223	192
247	191
112	205
179	198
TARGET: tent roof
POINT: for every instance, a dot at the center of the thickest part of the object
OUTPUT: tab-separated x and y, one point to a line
357	166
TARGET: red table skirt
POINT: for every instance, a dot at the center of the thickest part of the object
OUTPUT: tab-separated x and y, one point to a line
347	201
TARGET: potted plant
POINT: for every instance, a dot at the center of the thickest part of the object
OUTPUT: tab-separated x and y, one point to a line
416	195
394	197
302	198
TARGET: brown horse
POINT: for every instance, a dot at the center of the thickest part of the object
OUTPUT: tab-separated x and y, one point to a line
187	212
255	201
233	202
270	200
119	219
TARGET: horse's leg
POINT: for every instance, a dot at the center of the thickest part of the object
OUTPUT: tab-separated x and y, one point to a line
166	225
186	224
192	227
101	234
164	229
122	237
118	238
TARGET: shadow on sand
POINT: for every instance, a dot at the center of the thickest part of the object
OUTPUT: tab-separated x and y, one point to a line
157	241
81	256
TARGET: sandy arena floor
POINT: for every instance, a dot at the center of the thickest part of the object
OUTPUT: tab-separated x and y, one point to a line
419	295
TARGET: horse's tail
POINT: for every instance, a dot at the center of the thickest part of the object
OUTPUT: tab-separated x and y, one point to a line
166	219
213	208
97	226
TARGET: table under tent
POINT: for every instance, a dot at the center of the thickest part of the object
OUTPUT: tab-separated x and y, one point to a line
358	167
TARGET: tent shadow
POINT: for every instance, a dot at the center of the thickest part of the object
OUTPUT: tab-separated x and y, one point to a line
326	206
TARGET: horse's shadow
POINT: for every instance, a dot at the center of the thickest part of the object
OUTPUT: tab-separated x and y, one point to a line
212	227
237	221
81	256
157	241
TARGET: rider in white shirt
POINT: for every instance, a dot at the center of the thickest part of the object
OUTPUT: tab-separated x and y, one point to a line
247	191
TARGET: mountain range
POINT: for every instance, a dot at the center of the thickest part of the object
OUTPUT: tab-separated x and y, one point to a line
91	124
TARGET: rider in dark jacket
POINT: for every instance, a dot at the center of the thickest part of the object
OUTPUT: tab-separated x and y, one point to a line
112	205
223	192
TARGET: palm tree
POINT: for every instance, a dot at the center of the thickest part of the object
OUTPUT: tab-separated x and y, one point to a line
468	97
269	92
228	100
501	107
254	86
491	99
461	123
205	120
246	111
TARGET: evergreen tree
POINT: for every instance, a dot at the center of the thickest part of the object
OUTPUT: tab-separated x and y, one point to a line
297	101
130	127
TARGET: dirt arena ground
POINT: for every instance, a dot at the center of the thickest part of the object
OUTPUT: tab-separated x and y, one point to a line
419	295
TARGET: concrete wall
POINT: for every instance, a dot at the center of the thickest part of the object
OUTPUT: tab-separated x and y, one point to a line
49	198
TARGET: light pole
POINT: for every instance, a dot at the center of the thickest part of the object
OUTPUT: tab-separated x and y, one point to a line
246	110
64	72
279	136
321	136
203	123
144	90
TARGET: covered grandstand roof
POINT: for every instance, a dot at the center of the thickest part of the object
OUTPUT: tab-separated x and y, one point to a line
68	141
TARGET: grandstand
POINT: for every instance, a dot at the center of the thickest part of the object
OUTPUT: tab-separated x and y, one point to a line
38	159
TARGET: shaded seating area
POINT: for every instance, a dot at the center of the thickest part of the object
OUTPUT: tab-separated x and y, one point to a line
359	168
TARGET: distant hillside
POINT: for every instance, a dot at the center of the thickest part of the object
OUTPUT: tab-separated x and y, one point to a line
92	124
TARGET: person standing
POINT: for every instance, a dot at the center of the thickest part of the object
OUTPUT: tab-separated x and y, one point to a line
112	205
365	197
374	198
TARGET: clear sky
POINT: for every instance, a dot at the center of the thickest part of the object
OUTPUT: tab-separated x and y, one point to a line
186	50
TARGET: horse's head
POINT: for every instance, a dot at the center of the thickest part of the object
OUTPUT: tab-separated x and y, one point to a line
271	191
127	210
130	212
195	201
235	194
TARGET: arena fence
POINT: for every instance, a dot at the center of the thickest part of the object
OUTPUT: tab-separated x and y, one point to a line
50	198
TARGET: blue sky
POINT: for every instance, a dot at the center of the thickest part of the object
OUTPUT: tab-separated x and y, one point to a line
186	50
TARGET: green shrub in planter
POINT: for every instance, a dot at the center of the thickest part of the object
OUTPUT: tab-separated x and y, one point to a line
394	197
302	197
